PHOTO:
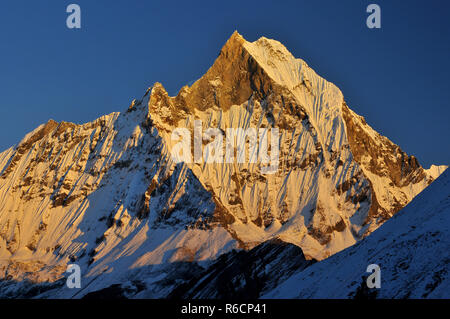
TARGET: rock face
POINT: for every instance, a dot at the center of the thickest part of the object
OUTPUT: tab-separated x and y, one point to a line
109	195
245	274
411	250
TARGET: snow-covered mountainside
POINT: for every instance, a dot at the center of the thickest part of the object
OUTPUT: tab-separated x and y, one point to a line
412	250
110	196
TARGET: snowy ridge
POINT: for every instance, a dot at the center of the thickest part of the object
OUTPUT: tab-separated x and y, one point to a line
94	211
321	99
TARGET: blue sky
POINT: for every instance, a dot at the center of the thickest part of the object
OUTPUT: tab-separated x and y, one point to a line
396	77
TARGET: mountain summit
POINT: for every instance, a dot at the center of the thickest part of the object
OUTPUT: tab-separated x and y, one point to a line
109	196
335	171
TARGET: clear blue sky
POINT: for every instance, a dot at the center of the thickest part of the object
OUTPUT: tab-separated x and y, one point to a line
397	77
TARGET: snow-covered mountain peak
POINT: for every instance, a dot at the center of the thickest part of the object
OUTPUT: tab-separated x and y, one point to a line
111	196
324	144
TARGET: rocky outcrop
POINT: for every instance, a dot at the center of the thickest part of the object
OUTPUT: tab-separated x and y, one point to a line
411	249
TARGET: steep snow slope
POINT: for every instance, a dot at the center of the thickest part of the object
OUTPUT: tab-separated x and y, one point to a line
412	249
82	194
109	195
